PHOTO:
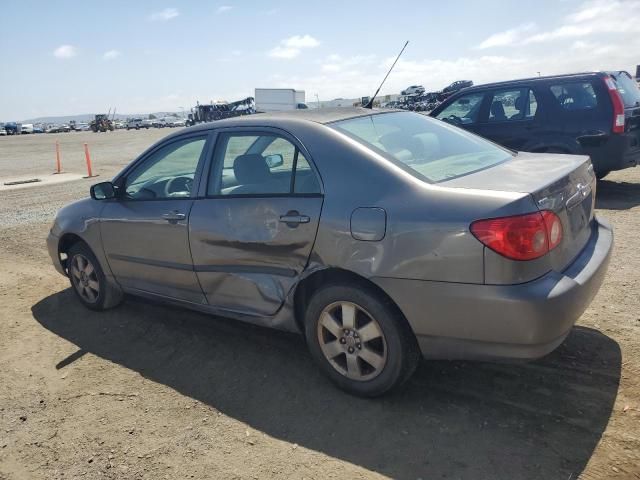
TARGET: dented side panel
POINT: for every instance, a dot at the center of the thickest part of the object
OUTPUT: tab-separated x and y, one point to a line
247	260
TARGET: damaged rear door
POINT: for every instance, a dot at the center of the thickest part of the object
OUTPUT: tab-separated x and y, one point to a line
252	233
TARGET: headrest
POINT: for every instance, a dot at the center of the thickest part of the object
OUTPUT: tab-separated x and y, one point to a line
251	168
497	109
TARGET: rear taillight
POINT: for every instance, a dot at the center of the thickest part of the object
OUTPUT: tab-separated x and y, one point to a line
618	106
521	237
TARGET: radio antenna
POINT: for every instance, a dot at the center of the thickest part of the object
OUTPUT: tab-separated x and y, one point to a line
370	104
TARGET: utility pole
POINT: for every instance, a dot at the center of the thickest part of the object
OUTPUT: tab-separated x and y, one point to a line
318	100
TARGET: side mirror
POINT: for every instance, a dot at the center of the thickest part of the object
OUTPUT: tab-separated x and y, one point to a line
274	160
102	191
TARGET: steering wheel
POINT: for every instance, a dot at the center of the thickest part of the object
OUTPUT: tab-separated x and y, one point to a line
178	186
454	119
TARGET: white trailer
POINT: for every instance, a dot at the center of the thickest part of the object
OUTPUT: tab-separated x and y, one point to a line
279	99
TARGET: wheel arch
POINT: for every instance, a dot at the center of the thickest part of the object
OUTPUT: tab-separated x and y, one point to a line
66	242
327	276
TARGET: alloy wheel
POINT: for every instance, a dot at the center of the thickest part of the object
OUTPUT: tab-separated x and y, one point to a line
352	341
85	279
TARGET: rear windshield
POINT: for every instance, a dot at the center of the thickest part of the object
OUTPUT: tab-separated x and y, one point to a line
427	148
627	87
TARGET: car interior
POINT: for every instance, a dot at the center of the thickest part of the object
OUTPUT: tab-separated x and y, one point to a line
575	96
263	167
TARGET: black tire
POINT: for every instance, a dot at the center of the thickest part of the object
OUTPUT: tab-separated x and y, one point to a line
602	174
106	295
401	350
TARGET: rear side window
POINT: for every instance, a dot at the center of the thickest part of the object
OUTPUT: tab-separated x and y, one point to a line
628	88
266	164
575	96
513	104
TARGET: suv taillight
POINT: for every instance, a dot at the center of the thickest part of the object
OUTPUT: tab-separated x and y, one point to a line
618	106
521	237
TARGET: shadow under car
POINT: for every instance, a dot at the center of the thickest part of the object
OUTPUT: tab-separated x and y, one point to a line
452	419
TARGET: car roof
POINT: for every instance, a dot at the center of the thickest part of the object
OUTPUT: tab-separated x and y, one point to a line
317	115
567	76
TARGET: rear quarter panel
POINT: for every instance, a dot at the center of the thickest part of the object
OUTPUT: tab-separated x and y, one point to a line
427	232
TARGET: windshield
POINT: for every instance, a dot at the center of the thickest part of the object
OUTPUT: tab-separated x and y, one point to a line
429	149
628	89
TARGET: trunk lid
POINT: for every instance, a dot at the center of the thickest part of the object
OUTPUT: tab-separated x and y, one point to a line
564	184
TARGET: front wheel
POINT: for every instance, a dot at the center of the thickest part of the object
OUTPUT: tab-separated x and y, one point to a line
88	280
361	342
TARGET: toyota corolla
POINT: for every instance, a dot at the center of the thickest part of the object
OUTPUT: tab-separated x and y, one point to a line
382	236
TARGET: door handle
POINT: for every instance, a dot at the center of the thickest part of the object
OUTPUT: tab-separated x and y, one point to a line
294	218
174	216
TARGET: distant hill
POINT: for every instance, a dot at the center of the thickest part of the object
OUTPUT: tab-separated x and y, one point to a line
87	117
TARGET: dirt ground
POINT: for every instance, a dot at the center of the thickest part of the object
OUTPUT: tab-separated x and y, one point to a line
148	391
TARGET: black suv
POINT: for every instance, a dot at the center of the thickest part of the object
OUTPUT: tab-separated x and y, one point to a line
595	114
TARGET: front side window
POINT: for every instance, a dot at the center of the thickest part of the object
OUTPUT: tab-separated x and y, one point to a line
430	150
513	104
463	111
575	96
167	173
249	164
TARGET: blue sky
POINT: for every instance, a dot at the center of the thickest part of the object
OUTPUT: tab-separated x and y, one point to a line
73	57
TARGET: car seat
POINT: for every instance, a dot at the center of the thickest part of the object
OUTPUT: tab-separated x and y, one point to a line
497	112
253	176
520	106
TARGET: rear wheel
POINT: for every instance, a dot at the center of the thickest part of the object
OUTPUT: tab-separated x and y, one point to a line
88	280
359	340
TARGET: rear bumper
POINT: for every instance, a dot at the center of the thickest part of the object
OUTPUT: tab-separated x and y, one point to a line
619	152
529	320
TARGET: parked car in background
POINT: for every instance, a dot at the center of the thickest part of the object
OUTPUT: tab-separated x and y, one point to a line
136	123
147	123
3	132
162	122
82	127
27	128
447	244
413	90
58	129
457	86
177	122
595	114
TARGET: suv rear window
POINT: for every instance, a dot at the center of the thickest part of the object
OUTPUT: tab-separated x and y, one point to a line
575	96
627	87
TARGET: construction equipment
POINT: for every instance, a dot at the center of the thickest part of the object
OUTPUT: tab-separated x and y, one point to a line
102	122
217	111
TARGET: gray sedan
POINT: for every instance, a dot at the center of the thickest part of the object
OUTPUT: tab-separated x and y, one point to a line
381	235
